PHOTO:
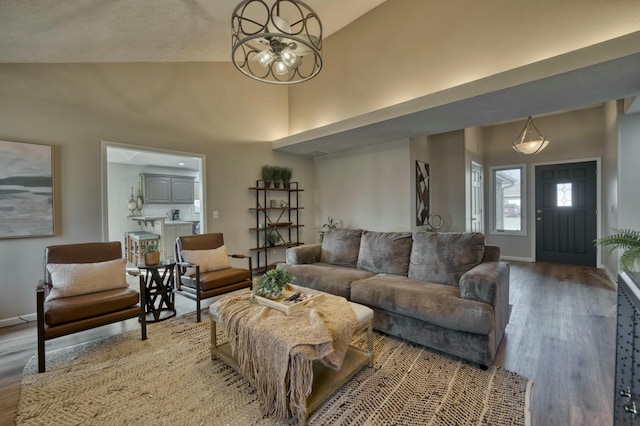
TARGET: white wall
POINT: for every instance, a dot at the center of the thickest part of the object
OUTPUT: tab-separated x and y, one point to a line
610	180
629	175
368	188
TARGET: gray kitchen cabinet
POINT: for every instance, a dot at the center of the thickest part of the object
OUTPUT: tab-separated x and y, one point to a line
168	189
182	190
171	231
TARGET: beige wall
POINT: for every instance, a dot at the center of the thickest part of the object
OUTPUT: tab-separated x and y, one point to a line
405	49
447	179
366	188
202	108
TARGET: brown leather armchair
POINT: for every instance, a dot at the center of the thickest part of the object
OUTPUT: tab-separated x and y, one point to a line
67	315
206	284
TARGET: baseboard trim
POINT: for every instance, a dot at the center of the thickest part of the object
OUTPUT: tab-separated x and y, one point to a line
8	322
519	259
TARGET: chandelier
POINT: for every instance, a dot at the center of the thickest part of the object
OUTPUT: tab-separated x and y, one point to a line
278	44
530	141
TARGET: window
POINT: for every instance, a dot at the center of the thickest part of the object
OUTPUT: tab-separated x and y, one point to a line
563	195
508	200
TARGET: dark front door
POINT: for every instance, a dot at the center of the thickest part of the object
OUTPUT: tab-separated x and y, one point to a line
566	213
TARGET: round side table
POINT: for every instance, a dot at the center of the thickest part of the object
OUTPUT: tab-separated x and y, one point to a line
158	282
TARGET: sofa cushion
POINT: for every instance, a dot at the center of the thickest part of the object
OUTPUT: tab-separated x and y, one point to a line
209	260
74	279
385	252
217	279
325	277
444	257
75	308
340	247
434	303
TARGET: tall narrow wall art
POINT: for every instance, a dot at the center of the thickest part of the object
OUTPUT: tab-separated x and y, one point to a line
26	190
422	193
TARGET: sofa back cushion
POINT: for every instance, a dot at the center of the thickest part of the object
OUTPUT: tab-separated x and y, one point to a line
385	252
340	247
444	257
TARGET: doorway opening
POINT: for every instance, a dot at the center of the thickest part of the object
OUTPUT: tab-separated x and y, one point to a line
124	195
477	198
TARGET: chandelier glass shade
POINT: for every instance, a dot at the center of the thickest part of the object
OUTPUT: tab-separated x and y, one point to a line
530	141
276	41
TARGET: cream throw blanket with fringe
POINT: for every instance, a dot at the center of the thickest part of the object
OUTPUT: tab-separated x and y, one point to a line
276	351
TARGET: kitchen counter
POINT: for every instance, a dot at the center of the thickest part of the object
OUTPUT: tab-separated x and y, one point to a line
144	220
178	222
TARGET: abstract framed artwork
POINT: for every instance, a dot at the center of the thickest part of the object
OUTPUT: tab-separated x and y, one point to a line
422	193
26	190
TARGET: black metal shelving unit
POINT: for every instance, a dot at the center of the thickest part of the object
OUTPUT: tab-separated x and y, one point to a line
279	219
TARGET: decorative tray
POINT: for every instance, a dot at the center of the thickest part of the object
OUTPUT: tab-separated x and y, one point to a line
290	307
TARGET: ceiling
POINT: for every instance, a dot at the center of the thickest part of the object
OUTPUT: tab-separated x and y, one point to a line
79	31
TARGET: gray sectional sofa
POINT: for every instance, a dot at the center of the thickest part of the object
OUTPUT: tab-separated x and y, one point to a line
448	291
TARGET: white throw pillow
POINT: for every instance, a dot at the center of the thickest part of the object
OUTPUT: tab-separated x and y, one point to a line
208	260
74	279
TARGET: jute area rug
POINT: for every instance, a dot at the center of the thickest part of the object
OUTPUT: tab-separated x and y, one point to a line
170	379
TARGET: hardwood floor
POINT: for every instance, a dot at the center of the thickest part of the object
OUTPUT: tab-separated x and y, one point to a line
561	335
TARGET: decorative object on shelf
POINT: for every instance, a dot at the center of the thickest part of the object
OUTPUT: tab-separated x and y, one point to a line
629	241
530	141
284	204
272	204
422	193
132	205
267	175
139	200
271	284
151	254
285	175
272	239
331	224
276	41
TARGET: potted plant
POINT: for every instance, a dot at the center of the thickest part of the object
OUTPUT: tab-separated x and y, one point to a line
629	241
285	175
277	176
267	175
331	224
272	239
151	254
271	284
